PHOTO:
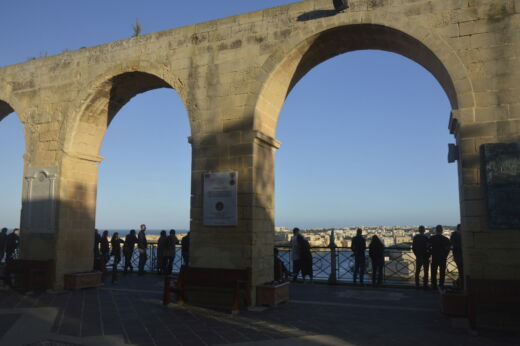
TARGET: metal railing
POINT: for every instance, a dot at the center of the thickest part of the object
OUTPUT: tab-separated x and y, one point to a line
152	262
399	267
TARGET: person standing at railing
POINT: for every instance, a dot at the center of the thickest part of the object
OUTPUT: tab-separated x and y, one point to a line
456	245
12	242
116	242
162	252
421	250
3	238
296	253
105	248
359	247
376	251
142	246
440	246
306	258
97	243
170	258
128	250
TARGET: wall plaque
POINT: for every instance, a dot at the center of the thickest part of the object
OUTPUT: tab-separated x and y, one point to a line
220	198
501	176
39	205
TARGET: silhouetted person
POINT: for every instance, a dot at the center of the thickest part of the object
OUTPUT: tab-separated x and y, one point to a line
115	242
280	271
296	253
3	239
185	249
116	248
128	250
142	246
97	243
12	242
376	251
305	257
170	256
358	247
456	246
162	252
421	250
105	247
440	247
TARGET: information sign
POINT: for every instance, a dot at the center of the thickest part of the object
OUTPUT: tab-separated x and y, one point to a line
220	198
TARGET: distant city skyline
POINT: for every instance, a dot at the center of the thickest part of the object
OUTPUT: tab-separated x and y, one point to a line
364	135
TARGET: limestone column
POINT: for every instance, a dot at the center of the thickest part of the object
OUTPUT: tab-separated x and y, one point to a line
250	243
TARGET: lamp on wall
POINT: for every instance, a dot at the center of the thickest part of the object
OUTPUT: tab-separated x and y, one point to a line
340	5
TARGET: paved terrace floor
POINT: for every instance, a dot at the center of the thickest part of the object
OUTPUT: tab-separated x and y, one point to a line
131	313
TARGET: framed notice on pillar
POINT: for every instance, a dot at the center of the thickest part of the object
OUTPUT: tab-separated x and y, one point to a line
219	198
501	173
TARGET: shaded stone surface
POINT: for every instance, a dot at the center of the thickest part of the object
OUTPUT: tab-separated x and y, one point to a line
132	312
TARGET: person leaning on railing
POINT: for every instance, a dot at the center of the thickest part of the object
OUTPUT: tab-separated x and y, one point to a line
142	245
3	238
162	252
105	247
421	250
128	250
440	246
376	251
359	247
170	256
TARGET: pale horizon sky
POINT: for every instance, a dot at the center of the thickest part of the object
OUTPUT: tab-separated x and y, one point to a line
364	135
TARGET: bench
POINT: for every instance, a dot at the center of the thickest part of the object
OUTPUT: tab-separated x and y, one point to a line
29	275
237	281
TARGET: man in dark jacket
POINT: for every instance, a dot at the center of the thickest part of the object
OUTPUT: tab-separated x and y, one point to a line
421	250
11	244
440	247
3	238
142	246
128	250
97	244
359	247
105	248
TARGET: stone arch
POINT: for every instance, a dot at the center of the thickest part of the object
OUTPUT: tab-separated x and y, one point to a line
85	130
286	67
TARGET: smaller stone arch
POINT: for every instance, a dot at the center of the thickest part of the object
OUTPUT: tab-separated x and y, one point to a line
85	130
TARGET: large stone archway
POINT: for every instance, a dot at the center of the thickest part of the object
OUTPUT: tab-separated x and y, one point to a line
233	75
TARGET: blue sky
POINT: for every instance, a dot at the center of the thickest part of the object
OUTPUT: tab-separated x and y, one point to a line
364	135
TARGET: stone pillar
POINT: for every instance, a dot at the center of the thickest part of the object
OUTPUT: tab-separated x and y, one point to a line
77	211
249	244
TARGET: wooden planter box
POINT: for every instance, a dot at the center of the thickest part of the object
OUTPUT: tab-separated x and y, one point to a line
454	304
83	280
272	295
